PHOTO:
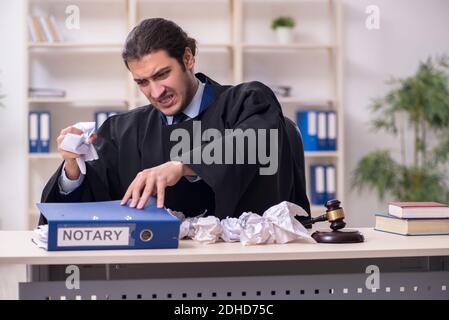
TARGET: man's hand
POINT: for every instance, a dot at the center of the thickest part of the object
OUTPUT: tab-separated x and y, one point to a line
153	181
71	167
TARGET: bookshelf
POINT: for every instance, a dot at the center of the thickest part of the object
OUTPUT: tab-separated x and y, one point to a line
235	44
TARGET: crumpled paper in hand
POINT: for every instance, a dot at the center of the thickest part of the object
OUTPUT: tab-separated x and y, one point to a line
285	227
78	144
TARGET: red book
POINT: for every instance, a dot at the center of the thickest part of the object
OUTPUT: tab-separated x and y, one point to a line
418	210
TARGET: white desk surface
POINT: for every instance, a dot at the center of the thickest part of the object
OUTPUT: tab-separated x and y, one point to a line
16	248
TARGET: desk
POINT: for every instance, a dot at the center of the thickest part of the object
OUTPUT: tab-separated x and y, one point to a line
410	267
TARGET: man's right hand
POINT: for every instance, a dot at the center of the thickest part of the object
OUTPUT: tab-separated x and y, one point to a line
72	170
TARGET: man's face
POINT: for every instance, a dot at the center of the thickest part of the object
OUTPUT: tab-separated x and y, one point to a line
163	81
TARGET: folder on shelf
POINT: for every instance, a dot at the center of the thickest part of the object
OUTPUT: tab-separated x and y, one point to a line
322	131
318	184
33	132
44	132
100	117
307	124
332	130
330	182
108	225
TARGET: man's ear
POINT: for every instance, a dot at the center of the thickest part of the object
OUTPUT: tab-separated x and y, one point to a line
189	59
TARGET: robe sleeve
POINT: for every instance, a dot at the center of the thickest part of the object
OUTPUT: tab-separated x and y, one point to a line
254	106
101	182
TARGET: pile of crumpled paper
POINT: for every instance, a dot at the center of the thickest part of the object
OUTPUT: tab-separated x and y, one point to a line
276	225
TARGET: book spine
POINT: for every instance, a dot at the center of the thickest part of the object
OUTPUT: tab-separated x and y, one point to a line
38	28
57	28
46	28
52	29
32	31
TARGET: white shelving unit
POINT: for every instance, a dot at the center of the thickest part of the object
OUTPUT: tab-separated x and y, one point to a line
235	44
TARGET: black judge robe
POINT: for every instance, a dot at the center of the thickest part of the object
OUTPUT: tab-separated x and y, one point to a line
130	142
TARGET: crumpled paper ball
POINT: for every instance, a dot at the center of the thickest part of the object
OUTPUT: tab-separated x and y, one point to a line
207	229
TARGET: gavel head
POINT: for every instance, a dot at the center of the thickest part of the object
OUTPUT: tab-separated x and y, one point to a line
335	214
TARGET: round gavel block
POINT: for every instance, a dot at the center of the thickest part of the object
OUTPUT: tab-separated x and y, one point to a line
338	236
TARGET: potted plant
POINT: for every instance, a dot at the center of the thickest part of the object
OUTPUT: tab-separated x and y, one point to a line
420	103
284	29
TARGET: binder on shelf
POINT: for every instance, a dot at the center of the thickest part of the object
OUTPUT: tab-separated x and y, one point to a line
332	130
100	117
108	225
44	131
323	183
33	132
307	124
318	184
322	131
331	178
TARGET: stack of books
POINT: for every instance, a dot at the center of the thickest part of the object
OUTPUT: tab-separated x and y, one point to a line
414	219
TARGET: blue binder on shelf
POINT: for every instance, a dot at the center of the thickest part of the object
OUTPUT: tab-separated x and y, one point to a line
322	131
318	184
307	123
101	117
33	132
44	132
332	130
108	225
331	185
323	183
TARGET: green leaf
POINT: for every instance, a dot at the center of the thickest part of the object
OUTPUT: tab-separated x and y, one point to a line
376	171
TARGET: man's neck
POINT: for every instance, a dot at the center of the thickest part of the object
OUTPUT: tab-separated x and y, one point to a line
195	85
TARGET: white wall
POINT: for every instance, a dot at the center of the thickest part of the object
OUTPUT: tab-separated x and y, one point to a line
13	137
410	31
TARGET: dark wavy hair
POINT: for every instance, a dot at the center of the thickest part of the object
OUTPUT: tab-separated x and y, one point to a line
155	34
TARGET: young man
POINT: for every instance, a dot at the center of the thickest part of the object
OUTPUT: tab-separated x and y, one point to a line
141	153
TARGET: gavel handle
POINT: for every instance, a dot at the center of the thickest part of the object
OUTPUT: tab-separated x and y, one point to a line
311	221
